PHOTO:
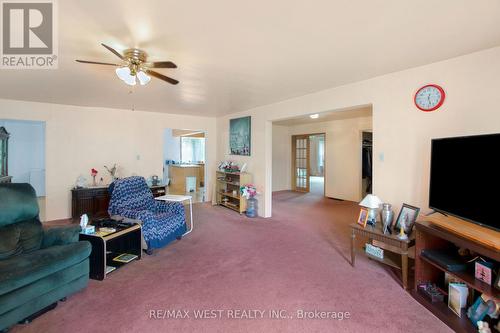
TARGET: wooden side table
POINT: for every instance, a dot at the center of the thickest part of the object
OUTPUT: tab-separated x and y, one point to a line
396	251
105	248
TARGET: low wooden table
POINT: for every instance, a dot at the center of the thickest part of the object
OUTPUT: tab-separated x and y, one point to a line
396	251
105	248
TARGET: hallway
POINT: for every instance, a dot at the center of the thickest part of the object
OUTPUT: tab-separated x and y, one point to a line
317	185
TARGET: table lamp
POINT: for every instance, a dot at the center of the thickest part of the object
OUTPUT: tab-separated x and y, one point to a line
372	203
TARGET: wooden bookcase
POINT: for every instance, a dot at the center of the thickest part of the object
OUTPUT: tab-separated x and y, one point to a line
226	184
439	233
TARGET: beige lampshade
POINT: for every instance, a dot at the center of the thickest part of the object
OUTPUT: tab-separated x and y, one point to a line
371	201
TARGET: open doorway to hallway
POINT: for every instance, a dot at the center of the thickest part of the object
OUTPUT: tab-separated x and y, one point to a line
317	164
25	156
337	173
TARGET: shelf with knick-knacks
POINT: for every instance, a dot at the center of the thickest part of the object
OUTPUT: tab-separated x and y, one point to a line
228	189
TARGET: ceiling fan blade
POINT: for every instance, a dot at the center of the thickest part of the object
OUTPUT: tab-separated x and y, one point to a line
96	63
162	77
162	64
113	50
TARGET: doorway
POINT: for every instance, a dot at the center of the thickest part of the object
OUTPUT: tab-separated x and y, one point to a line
308	163
366	163
26	156
184	162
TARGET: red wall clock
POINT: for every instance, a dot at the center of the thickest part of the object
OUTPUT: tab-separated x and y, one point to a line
429	97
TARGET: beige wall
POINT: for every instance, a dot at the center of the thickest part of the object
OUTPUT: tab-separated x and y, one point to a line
342	155
80	138
402	134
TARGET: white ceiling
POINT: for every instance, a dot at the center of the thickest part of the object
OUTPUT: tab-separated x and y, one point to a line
347	113
235	55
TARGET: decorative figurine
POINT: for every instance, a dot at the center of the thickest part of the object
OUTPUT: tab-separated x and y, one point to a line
402	228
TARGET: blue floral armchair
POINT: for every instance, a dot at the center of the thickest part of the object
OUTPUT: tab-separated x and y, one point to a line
162	221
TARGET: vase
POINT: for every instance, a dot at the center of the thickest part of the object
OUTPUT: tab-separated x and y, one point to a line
251	207
387	215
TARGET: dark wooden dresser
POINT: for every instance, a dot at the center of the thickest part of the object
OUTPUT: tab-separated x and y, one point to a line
94	201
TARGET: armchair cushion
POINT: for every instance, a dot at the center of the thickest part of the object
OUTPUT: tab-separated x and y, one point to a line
19	203
26	268
169	207
9	244
60	235
22	237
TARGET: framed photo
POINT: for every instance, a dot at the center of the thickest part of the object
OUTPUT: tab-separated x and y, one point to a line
363	217
240	131
408	214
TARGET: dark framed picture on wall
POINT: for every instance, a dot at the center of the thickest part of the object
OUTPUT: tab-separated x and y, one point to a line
240	136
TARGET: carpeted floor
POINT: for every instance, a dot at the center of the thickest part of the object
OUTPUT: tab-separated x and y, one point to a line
296	261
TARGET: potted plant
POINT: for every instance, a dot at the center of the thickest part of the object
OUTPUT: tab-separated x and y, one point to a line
249	192
93	173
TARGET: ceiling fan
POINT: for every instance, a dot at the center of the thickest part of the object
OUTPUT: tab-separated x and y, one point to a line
135	66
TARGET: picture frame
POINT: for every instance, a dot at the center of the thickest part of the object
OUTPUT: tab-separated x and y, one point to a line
240	136
363	217
410	213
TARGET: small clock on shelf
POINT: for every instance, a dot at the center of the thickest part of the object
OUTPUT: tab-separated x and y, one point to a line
429	97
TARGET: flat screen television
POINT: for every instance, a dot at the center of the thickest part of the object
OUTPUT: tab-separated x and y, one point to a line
465	178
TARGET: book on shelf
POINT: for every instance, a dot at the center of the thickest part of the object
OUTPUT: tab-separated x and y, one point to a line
457	297
109	269
104	231
125	257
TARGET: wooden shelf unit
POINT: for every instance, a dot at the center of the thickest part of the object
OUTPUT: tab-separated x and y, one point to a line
226	183
106	248
433	235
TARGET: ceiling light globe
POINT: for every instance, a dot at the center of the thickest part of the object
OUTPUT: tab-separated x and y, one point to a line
123	73
143	78
130	80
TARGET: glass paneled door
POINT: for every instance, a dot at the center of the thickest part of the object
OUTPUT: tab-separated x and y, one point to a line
300	161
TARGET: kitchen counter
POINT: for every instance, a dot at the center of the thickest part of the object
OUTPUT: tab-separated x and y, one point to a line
178	173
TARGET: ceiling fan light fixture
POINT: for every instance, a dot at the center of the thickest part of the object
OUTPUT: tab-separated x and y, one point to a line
143	78
135	67
131	81
124	74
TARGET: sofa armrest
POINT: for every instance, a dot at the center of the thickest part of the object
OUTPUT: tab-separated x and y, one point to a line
60	235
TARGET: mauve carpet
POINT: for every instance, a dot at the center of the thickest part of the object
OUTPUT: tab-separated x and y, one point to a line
296	260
